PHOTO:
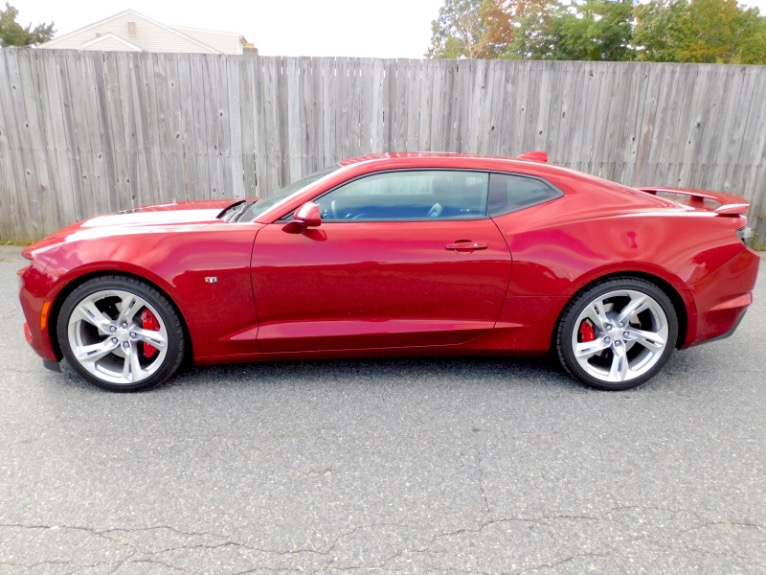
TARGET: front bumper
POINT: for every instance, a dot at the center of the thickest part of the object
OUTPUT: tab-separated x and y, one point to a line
34	290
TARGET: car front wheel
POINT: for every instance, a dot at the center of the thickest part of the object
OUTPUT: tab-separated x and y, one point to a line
617	334
120	333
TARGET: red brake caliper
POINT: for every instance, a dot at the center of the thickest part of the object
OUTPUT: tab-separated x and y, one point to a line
149	322
587	331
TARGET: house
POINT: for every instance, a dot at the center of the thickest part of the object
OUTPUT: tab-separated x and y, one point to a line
130	31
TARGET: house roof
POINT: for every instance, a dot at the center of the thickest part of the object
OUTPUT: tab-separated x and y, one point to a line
206	40
223	41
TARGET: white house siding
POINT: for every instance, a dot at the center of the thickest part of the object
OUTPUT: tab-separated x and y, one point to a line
149	36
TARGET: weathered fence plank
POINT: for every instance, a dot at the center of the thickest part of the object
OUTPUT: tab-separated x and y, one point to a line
83	133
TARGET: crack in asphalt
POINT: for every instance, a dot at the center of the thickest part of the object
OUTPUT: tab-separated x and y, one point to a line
563	561
156	562
139	554
480	469
123	562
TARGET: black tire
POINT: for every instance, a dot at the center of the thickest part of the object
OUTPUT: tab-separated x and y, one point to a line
120	333
611	346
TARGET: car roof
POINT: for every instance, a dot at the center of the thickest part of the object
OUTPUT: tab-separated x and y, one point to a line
418	155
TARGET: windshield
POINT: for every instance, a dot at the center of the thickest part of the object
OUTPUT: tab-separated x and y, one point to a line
256	208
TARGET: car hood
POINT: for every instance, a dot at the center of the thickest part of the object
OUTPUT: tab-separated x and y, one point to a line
148	219
184	206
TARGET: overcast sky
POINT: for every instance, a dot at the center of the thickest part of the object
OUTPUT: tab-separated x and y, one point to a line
364	28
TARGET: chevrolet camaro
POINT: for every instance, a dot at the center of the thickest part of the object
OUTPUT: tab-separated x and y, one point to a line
397	254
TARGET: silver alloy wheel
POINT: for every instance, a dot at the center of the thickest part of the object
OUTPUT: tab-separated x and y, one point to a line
105	331
630	334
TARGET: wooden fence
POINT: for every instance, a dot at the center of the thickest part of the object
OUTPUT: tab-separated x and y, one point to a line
83	133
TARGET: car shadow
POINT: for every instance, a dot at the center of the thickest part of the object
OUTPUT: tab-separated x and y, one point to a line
541	374
388	372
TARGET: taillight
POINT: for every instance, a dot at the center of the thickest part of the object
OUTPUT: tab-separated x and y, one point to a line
744	234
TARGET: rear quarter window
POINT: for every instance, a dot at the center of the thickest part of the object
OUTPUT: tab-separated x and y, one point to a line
512	192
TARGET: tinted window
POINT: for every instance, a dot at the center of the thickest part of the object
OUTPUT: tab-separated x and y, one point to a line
510	193
414	195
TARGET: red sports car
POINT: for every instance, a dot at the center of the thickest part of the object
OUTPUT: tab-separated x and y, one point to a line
394	254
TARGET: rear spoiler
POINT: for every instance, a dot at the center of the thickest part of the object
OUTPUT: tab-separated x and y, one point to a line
722	204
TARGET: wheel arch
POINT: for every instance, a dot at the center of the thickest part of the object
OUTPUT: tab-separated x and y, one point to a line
679	304
64	293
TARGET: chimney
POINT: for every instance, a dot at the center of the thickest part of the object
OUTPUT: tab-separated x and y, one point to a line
248	48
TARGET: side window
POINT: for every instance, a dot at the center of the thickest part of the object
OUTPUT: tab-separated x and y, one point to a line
411	195
510	193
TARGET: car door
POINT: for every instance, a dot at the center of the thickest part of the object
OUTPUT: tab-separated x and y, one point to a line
400	259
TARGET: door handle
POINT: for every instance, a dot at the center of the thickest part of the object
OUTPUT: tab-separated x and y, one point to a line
466	246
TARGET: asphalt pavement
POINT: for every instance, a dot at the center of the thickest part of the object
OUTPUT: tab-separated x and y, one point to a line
443	466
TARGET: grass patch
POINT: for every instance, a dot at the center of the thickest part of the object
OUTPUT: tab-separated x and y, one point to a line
19	243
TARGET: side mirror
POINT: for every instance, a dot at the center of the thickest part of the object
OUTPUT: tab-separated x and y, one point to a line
307	216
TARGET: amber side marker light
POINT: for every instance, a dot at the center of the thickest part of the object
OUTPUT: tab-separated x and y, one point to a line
44	313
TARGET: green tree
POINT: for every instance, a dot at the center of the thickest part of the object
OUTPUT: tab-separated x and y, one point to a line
656	31
534	23
660	30
579	30
470	29
14	34
594	30
751	41
700	31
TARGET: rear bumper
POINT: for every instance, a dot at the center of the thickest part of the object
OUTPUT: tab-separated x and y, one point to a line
732	330
722	298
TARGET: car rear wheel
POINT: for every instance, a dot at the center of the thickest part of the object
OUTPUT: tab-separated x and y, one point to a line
120	333
617	334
